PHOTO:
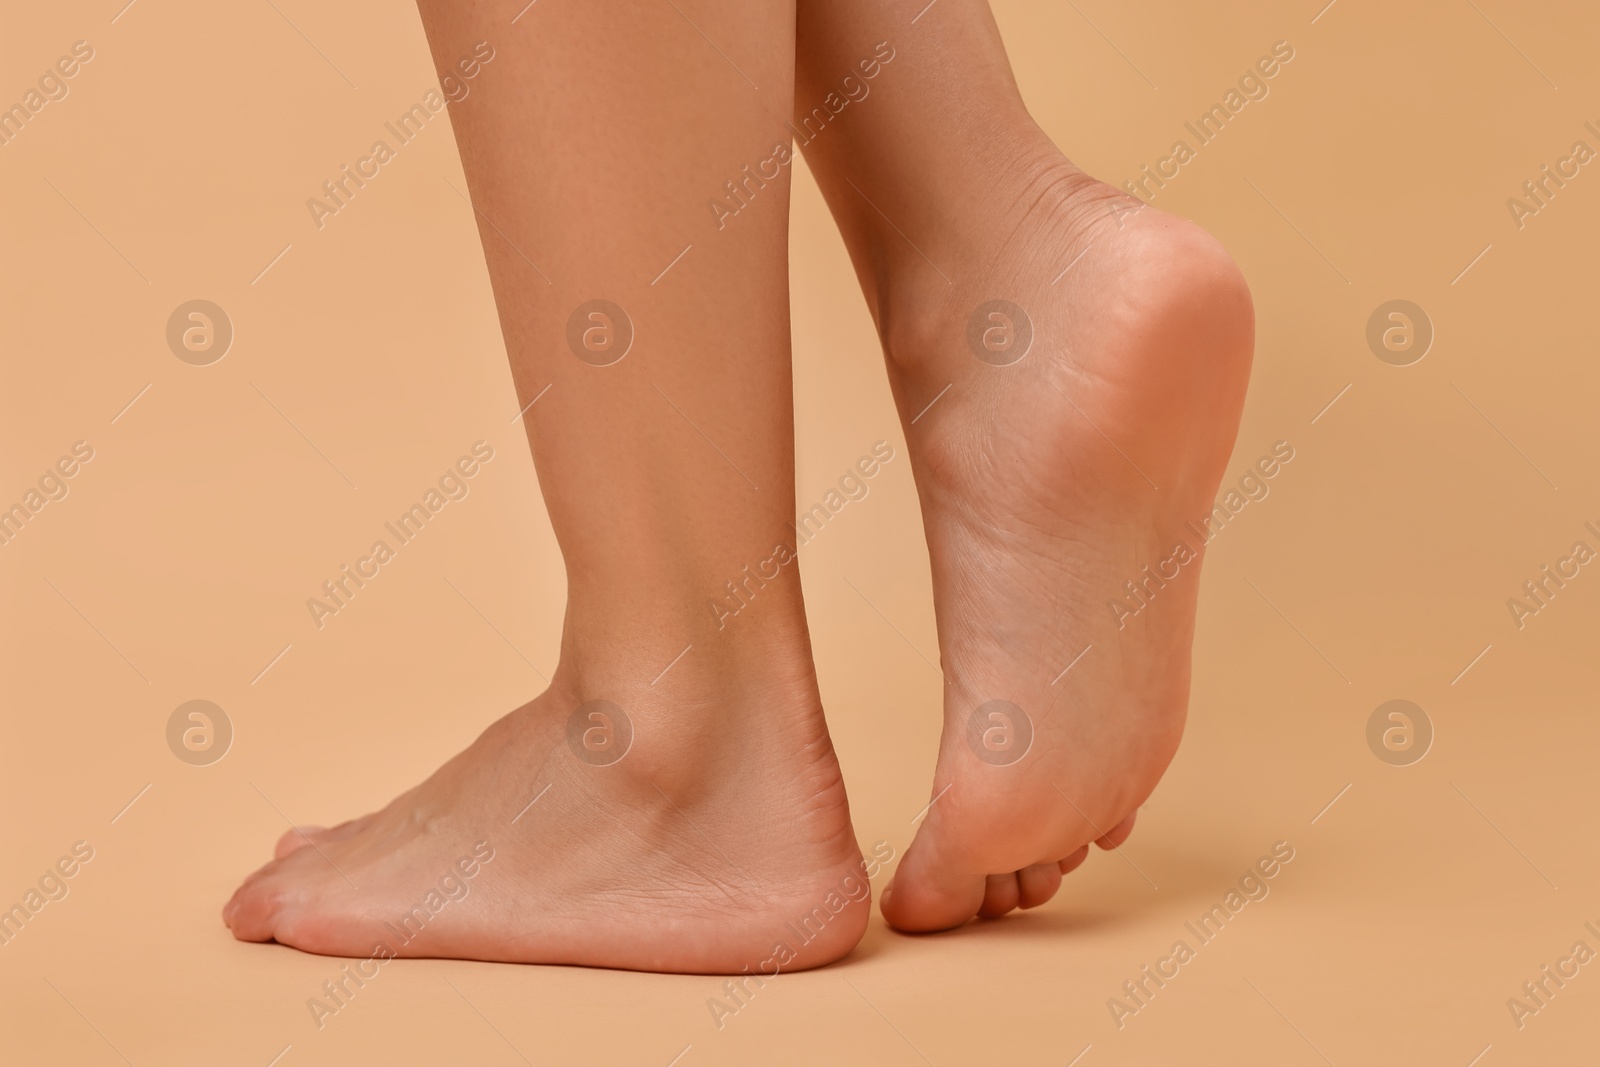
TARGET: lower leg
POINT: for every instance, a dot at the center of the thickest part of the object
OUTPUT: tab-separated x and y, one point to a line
1070	368
687	820
929	174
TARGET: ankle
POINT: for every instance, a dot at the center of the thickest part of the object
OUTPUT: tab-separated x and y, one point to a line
730	619
1028	210
684	690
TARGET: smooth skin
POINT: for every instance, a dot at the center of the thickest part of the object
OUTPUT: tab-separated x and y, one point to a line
1045	484
592	147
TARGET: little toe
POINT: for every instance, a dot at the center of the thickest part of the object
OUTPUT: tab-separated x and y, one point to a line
1118	833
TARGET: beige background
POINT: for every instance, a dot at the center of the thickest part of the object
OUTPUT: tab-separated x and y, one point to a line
368	356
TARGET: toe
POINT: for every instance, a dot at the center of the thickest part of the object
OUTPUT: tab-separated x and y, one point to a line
1074	861
1037	884
1118	833
927	894
299	837
252	913
1000	895
320	836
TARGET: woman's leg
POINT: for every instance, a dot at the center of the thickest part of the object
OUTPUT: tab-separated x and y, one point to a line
1070	368
592	143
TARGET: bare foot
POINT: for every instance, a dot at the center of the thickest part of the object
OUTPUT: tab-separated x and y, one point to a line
1046	484
715	839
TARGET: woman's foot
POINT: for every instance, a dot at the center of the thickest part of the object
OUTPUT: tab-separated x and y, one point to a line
701	829
1096	354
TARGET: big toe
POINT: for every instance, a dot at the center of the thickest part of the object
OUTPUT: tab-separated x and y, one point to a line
929	892
252	912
